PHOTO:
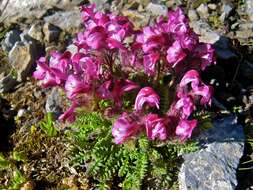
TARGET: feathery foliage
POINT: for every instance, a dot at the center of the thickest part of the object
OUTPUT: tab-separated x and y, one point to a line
137	164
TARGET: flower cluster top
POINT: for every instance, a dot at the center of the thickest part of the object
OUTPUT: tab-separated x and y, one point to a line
155	69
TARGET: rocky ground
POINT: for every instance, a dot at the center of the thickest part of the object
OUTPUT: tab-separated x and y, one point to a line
47	25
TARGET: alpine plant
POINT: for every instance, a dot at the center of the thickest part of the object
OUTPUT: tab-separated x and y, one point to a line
158	64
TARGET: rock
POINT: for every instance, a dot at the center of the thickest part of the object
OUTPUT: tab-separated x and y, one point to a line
53	102
7	83
226	9
222	49
12	10
51	32
100	4
22	58
157	9
30	185
246	70
203	10
212	6
249	9
11	38
214	165
205	31
21	113
192	14
69	21
36	32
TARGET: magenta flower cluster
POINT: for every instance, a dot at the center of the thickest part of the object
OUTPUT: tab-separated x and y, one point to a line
158	65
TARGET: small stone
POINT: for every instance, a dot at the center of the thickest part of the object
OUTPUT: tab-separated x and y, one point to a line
7	83
53	102
223	50
22	58
212	6
246	69
28	186
214	166
157	9
249	9
69	21
226	9
100	4
207	34
51	32
192	14
36	32
11	38
21	113
203	10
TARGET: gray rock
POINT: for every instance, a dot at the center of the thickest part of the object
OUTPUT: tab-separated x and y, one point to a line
222	49
203	10
14	9
22	58
36	32
69	21
212	6
249	9
246	70
226	10
157	9
100	4
207	34
7	83
53	102
51	32
11	38
214	166
192	14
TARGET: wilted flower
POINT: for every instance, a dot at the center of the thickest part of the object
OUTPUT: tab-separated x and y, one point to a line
146	95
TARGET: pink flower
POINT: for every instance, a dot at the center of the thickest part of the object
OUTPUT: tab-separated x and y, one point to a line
69	115
41	69
186	105
185	128
191	77
175	54
146	95
115	90
96	38
206	54
88	12
150	61
177	22
151	39
206	93
198	88
155	127
50	80
124	128
74	86
189	40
